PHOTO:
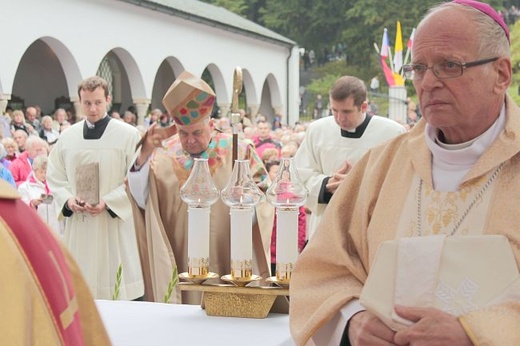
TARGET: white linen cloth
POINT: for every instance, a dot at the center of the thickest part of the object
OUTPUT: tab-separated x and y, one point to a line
155	324
456	274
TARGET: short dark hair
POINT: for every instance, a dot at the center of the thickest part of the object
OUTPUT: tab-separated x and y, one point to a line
270	164
348	86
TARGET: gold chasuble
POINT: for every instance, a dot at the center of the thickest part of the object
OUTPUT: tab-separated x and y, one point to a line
43	295
399	202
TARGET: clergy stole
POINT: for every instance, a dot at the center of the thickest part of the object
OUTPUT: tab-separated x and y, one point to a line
46	262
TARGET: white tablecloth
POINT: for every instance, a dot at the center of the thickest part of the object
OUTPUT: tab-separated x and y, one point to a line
156	324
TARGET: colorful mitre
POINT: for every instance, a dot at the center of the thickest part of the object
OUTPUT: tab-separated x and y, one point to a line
189	99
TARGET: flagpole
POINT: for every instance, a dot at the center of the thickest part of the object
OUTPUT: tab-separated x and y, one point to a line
407	55
398	54
409	45
377	49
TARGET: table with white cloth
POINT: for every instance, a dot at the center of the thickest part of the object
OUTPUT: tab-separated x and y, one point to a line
153	324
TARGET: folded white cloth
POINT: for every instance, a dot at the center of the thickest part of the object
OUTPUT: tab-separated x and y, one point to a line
456	274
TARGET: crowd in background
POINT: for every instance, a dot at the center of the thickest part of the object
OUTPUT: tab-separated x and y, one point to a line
27	134
23	130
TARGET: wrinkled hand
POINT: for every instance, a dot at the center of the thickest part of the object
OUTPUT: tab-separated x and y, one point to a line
76	205
432	327
338	176
152	139
95	210
367	329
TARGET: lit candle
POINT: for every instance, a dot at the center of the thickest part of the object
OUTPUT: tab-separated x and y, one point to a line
287	193
198	240
241	242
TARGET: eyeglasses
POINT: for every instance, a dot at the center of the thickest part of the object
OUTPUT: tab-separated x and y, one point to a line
442	70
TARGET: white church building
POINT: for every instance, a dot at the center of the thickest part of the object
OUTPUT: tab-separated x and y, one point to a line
139	47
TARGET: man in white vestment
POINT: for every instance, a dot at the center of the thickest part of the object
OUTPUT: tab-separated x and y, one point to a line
454	175
333	144
101	236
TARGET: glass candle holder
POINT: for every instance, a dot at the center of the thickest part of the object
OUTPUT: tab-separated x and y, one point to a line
241	194
287	193
199	192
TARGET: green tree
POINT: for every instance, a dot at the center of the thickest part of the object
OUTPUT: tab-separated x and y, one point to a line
357	24
254	10
236	6
312	24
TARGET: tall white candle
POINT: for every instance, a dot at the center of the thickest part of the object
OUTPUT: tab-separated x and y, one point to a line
241	234
241	242
286	235
198	233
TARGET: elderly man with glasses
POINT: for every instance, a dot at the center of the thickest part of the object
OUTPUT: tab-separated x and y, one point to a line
453	179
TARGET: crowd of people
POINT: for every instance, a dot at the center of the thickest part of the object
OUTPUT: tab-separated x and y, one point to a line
39	158
26	140
22	128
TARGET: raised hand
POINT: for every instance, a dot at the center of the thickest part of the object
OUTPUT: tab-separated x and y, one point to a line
152	139
338	176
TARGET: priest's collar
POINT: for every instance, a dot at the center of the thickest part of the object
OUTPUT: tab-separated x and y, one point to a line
95	130
464	153
92	125
358	131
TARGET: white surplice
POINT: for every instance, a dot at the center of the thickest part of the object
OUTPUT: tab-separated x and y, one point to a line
324	150
100	244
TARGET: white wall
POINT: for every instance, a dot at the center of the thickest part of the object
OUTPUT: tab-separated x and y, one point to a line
82	32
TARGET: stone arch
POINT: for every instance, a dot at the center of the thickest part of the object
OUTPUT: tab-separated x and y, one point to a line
128	87
271	98
252	97
223	98
68	63
219	84
46	61
135	78
168	70
276	97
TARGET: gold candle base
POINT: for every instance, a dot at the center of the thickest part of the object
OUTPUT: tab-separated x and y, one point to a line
284	283
284	271
198	266
233	301
241	270
197	279
240	281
